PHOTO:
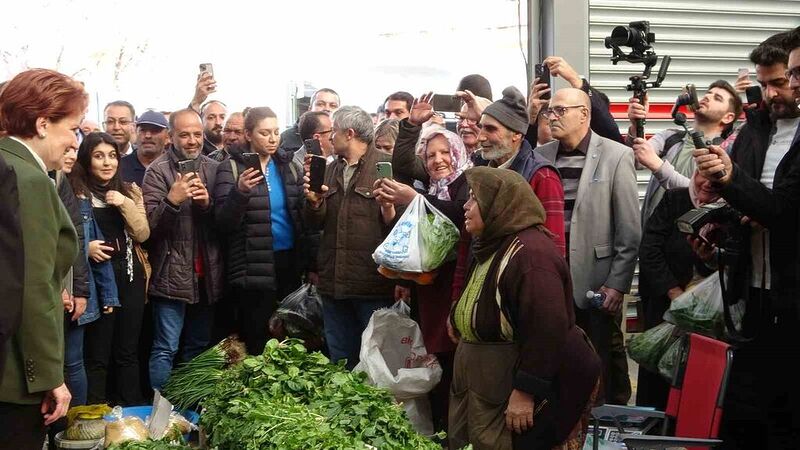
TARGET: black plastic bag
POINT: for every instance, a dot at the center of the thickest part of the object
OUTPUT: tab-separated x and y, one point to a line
299	315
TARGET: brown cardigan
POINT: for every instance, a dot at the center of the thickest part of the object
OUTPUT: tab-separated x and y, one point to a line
556	361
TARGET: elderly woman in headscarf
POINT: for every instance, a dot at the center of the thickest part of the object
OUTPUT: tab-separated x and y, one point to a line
445	159
668	262
525	375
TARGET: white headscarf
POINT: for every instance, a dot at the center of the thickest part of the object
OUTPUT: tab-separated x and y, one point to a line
459	159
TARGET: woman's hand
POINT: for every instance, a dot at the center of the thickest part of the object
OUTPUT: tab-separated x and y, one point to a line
115	198
519	413
97	251
79	308
108	309
391	191
66	300
55	404
421	110
248	180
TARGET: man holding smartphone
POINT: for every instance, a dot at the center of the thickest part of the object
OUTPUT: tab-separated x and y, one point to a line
187	266
353	225
762	181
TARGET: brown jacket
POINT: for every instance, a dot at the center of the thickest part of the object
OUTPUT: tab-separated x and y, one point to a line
352	228
176	233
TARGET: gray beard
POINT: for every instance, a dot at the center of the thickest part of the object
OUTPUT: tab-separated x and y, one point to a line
494	153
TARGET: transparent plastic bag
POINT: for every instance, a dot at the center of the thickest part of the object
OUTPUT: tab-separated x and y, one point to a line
422	240
672	359
699	309
299	315
647	348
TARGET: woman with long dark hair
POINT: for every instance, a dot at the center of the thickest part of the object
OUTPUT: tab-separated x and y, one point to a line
118	210
259	211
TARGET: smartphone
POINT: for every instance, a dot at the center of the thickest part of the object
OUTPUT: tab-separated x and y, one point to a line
113	244
446	103
753	94
384	169
207	67
252	161
317	172
542	72
312	147
187	166
743	72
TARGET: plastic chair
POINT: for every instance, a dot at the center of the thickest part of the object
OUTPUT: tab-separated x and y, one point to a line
694	403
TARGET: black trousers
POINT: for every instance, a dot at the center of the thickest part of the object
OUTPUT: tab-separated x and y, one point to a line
256	306
761	402
652	389
21	427
111	346
606	335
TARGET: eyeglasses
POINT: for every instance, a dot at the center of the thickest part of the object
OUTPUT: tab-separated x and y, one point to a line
794	72
325	131
121	122
558	111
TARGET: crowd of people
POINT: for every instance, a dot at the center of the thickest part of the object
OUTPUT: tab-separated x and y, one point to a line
130	247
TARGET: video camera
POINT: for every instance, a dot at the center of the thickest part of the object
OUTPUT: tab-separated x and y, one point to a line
638	37
693	221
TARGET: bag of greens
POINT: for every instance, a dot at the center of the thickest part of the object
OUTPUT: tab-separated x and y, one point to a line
699	309
422	240
672	359
647	348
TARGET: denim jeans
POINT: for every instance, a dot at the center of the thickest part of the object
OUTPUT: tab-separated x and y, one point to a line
171	320
345	320
74	370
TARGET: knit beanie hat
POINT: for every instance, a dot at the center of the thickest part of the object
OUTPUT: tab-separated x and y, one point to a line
511	110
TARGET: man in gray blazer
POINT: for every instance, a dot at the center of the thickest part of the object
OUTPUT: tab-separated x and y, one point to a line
602	225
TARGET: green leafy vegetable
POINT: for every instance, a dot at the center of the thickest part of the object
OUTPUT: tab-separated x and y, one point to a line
287	398
647	348
195	380
439	236
149	445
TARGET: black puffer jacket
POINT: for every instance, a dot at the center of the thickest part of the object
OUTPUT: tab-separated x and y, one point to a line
245	221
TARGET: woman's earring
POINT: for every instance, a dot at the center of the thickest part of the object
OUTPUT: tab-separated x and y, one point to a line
42	135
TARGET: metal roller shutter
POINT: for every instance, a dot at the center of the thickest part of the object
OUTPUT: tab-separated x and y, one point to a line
707	40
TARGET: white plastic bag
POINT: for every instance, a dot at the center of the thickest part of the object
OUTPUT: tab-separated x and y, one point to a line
421	241
394	357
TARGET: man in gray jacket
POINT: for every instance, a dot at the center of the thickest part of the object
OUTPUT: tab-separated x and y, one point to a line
601	223
187	267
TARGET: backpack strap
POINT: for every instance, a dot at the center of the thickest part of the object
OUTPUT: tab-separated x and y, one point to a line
671	141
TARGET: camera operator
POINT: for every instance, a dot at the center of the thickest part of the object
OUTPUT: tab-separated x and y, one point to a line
762	180
668	154
601	123
668	262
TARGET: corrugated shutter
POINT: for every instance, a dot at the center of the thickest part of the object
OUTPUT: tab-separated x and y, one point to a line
707	40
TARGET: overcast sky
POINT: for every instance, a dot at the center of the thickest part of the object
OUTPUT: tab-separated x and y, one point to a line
363	49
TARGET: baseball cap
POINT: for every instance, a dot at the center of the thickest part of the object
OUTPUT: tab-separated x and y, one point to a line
151	117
